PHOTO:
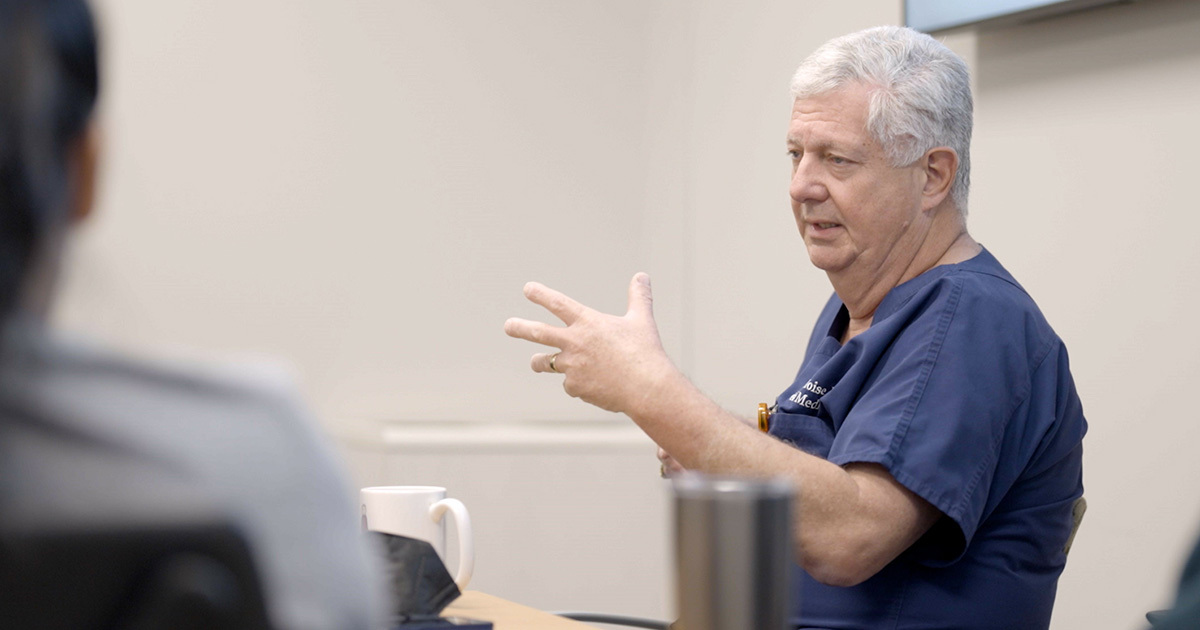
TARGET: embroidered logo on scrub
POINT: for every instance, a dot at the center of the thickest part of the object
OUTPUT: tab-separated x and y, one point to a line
809	395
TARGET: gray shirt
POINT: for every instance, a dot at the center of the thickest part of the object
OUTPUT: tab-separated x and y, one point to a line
91	437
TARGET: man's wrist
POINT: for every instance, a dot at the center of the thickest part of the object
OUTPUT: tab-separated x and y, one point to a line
661	395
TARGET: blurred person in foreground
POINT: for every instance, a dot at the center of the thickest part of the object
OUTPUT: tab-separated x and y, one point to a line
88	436
933	429
1185	613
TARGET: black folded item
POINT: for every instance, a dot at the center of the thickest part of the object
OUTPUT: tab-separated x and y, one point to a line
418	583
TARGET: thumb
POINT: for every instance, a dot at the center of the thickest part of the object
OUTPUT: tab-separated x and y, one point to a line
641	301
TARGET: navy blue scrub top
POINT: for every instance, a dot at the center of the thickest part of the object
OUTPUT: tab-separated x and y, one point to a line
962	391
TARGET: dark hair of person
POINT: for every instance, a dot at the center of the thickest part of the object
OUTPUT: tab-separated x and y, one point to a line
49	81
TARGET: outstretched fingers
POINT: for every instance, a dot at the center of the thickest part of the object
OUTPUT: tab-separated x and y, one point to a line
541	362
641	300
563	307
536	332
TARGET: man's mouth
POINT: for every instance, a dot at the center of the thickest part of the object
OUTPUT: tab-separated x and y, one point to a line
823	230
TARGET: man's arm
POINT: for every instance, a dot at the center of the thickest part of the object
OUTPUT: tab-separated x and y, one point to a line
849	522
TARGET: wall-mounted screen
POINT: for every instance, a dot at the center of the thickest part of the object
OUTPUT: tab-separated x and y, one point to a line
940	15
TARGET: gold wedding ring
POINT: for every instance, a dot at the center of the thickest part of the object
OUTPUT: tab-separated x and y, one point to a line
552	359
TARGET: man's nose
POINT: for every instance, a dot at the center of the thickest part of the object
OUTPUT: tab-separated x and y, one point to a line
807	185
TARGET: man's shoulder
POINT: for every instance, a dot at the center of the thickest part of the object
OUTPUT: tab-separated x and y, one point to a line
100	435
994	296
978	308
989	314
984	275
74	377
181	372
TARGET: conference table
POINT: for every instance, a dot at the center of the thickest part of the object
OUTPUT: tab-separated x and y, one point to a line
506	615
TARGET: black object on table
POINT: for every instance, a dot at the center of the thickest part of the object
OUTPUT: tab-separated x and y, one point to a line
419	585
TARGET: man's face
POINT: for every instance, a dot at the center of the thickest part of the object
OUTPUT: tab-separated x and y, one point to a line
856	212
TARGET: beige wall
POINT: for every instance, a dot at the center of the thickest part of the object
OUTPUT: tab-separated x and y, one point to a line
362	187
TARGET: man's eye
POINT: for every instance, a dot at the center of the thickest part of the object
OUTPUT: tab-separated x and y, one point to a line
794	154
836	159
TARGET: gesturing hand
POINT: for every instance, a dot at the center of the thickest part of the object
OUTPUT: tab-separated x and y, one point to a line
670	467
613	362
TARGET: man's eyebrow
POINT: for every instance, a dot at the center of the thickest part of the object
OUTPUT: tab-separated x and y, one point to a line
828	145
823	144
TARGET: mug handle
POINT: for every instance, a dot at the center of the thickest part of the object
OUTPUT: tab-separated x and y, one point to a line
466	548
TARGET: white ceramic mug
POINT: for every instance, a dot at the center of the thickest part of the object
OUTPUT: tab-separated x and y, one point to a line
417	512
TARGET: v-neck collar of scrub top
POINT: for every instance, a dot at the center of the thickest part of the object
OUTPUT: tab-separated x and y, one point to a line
983	262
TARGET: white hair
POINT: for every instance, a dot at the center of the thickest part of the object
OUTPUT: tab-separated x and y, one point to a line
922	98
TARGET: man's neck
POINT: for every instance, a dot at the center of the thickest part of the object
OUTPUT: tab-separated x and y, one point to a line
862	295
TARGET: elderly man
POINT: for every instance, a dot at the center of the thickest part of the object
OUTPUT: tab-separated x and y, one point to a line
933	428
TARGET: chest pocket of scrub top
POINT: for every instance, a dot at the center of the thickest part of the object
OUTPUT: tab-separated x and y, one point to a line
811	434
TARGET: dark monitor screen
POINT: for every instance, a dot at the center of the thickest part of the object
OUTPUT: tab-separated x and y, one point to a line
940	15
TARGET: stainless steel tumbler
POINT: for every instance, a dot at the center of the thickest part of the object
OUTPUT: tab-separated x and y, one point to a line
733	553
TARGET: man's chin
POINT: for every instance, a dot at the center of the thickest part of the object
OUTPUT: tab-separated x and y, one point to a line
826	260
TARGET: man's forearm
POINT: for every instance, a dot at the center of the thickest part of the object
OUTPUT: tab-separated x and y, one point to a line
848	523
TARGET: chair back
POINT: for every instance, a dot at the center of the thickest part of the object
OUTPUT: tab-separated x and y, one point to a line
130	577
1077	510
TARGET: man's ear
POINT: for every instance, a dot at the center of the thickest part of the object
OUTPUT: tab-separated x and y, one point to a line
82	164
941	165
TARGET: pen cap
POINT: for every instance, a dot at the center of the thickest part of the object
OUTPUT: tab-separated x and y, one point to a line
733	552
